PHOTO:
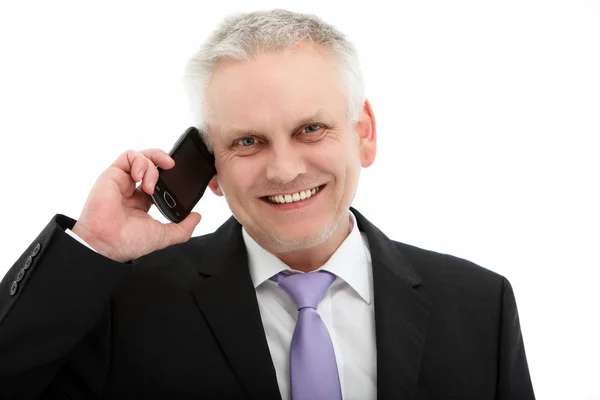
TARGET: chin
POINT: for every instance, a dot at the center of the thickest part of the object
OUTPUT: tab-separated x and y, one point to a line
301	237
282	244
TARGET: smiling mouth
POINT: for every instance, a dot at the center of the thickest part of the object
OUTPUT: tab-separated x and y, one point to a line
293	197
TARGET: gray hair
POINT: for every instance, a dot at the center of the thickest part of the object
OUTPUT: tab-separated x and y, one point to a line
241	36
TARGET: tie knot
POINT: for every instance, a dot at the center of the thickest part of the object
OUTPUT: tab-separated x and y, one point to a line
306	290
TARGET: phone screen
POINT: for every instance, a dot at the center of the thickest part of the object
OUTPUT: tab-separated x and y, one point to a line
190	175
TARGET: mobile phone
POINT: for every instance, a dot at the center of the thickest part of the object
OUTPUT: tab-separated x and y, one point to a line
180	188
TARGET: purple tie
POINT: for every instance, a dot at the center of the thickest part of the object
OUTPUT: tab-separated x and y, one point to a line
314	373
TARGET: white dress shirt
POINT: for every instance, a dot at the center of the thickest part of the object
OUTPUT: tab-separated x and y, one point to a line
346	309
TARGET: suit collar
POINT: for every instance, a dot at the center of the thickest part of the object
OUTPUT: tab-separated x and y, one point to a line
227	300
401	316
384	252
350	262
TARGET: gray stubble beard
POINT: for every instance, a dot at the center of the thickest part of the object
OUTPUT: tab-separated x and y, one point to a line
277	244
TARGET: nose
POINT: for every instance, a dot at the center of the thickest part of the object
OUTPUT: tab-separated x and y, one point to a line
285	163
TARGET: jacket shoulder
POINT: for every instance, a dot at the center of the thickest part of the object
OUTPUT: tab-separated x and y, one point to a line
182	262
450	272
199	256
196	246
208	249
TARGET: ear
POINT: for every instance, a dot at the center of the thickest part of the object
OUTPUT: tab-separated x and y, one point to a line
214	186
367	135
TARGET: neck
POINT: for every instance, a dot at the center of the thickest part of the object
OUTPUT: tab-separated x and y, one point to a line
307	260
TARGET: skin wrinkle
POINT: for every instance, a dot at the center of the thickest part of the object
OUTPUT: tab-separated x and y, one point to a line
269	101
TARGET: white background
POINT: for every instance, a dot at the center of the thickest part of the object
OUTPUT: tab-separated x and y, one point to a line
488	116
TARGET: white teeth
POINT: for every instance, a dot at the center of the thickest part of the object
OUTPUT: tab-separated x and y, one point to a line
290	198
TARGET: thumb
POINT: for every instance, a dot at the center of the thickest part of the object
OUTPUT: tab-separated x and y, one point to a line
182	231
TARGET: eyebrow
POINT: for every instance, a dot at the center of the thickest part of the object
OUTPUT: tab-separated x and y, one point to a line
319	115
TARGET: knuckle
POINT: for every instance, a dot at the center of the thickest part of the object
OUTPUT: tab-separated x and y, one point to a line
143	164
130	154
131	157
113	172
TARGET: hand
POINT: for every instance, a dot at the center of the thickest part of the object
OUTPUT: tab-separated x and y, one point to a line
115	219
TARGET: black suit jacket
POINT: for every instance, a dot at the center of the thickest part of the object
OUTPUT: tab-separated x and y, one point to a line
184	322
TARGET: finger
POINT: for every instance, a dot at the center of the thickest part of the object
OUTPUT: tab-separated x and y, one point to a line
182	231
126	160
139	166
129	168
150	177
159	158
123	180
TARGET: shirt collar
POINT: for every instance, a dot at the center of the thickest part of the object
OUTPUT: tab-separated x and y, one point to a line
351	262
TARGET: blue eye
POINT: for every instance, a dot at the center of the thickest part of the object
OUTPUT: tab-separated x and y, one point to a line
247	142
311	128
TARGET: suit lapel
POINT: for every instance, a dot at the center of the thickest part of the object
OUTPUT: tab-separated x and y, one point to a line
227	300
401	315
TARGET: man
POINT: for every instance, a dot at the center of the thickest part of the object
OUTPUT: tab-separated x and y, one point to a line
297	296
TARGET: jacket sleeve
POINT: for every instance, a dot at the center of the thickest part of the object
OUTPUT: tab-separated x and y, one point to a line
50	300
514	381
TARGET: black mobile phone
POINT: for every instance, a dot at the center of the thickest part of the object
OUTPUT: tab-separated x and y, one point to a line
180	188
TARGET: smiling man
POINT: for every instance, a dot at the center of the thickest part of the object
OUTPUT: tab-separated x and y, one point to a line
297	296
280	131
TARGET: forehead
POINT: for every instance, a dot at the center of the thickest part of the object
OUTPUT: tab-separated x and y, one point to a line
272	89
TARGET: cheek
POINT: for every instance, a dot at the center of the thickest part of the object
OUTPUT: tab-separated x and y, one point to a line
339	157
239	176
